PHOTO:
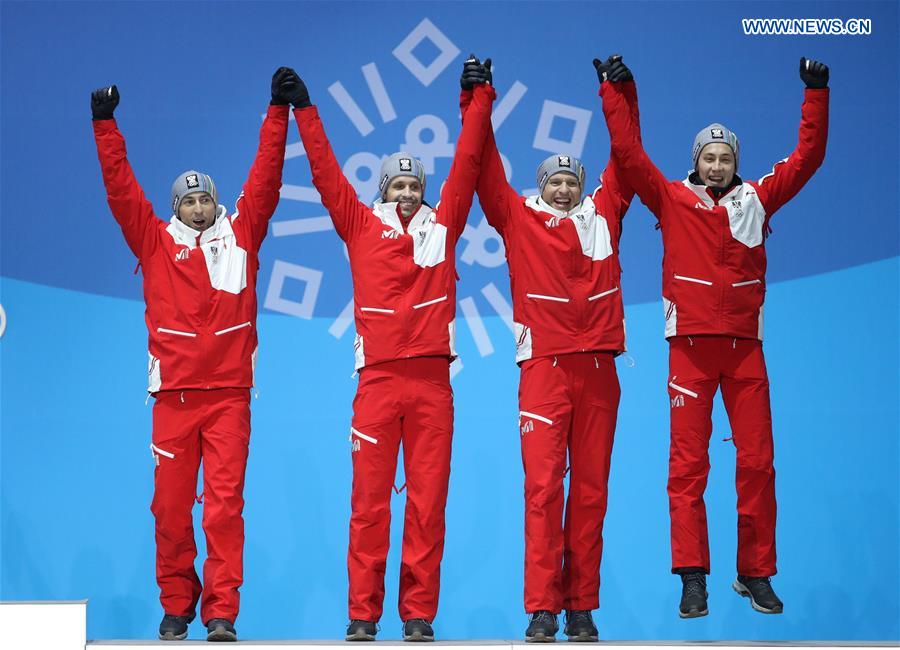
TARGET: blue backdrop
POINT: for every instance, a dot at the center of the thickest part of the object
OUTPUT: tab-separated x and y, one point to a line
194	77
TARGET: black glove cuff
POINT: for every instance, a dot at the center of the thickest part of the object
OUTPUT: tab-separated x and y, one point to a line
302	103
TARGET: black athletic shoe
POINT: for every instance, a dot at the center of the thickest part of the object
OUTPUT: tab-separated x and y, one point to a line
759	591
693	596
417	629
580	625
220	629
359	630
542	628
175	628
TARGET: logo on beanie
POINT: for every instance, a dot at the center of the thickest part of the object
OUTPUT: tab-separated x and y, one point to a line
717	133
564	161
405	165
192	181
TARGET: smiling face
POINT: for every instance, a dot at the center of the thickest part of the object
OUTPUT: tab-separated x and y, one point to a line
715	165
407	192
562	191
197	210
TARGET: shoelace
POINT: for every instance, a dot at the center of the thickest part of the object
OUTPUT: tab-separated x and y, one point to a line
695	587
543	616
579	616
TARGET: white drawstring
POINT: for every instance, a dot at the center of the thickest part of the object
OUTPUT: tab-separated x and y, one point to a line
147	401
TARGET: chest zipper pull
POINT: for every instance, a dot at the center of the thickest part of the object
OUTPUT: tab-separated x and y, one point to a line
555	361
734	344
691	341
596	363
182	397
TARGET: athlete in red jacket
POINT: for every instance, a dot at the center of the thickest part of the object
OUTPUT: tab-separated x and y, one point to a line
714	226
200	290
562	252
402	257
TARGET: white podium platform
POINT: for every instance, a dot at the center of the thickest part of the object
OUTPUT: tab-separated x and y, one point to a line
62	625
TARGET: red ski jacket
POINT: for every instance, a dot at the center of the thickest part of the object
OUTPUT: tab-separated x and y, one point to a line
714	262
563	266
404	282
199	288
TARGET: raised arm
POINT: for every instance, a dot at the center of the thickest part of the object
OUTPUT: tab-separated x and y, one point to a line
494	192
624	133
126	199
789	175
338	195
260	194
458	191
613	180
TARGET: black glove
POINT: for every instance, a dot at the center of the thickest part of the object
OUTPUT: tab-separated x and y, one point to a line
288	88
813	73
612	69
475	73
104	102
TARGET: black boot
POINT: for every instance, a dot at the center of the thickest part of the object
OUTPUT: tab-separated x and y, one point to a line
220	629
175	628
693	596
542	628
759	591
580	625
417	629
361	630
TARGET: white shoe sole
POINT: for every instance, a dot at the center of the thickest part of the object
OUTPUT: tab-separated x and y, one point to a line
743	591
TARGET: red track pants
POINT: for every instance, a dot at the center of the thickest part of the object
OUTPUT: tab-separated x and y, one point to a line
698	365
409	400
189	425
567	403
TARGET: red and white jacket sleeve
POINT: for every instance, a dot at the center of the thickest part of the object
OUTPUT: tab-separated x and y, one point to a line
789	175
495	194
347	212
126	199
260	194
627	150
459	190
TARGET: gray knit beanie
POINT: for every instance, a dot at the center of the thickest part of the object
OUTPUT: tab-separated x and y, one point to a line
400	164
716	132
191	182
559	163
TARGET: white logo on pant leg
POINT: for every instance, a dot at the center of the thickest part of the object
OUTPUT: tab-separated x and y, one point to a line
528	427
677	401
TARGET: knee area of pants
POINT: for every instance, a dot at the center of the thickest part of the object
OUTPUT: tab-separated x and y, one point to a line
761	463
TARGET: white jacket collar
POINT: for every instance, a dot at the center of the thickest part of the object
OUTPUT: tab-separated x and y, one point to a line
387	212
700	191
537	203
187	236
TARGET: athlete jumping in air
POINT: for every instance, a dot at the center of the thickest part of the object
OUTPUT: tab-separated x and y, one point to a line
714	226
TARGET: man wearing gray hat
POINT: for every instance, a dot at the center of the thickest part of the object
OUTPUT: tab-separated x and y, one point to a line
562	248
403	261
714	225
200	272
